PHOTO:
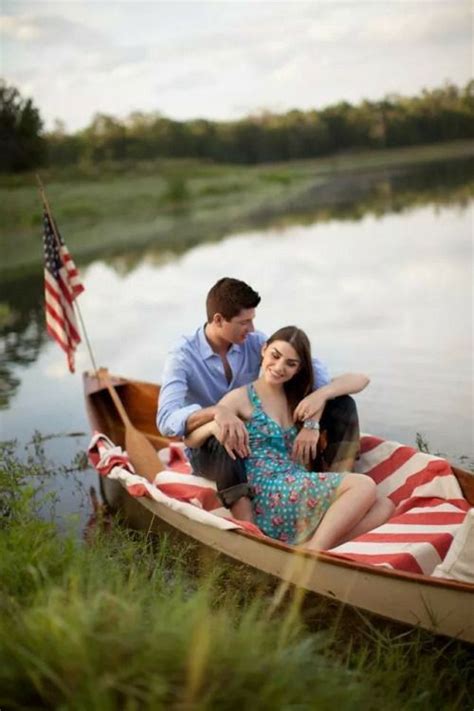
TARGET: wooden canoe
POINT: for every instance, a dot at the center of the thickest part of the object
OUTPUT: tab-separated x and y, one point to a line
440	606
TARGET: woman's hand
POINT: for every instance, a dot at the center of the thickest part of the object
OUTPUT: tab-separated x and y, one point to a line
231	432
311	407
305	446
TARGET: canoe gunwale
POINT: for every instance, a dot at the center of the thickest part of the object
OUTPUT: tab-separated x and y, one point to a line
364	567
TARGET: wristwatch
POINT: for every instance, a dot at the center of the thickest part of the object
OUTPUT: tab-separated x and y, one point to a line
311	425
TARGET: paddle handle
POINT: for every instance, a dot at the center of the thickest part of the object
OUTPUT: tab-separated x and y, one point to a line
103	375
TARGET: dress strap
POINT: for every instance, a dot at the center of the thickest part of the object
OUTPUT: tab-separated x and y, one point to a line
253	397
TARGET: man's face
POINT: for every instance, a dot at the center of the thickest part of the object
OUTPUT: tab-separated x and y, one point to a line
238	328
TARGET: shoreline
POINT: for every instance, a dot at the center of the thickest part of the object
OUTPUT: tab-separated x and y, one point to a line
183	203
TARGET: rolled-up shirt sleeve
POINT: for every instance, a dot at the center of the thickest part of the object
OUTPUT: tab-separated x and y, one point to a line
173	410
321	374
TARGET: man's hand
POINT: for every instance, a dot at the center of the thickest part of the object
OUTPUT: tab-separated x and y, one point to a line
232	433
311	407
305	446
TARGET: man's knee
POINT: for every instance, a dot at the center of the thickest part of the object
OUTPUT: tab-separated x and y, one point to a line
339	432
342	409
213	462
340	419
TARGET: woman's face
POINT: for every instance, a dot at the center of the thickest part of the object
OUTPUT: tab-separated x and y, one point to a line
280	362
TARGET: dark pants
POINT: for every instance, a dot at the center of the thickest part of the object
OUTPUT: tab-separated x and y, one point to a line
340	435
339	439
212	462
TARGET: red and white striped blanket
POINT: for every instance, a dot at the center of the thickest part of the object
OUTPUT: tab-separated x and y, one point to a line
430	507
176	487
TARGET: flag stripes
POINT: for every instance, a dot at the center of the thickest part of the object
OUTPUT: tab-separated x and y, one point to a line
73	278
62	284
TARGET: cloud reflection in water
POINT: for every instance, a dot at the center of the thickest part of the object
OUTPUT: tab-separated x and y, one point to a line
391	297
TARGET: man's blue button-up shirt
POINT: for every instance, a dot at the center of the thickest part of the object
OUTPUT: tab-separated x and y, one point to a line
194	377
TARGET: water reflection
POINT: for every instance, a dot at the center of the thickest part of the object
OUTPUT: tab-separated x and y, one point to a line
390	297
22	331
389	293
351	196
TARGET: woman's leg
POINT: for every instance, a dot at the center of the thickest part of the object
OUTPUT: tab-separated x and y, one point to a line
376	516
354	498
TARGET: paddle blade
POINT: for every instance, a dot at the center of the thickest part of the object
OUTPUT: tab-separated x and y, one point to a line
142	454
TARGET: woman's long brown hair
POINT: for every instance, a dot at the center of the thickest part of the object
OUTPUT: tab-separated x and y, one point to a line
302	383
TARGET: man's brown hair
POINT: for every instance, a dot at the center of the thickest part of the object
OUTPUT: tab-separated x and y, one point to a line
228	297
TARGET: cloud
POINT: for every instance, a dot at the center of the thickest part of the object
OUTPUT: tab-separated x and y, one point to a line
49	29
21	29
431	23
223	60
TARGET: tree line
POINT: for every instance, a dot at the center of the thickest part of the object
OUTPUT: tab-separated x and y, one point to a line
442	114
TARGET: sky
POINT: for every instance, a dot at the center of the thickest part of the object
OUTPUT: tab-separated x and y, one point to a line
223	60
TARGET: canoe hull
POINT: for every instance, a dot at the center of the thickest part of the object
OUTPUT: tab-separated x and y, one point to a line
439	606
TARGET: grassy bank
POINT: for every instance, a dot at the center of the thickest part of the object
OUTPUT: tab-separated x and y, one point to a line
129	622
168	205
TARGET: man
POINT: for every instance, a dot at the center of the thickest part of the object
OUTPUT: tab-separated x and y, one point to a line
225	354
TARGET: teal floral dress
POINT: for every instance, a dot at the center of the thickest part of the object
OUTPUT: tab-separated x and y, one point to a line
289	501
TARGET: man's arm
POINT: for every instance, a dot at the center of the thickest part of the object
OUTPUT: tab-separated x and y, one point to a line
226	425
176	418
173	411
320	373
200	418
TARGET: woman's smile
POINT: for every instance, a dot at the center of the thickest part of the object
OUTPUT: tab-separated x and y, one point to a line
280	361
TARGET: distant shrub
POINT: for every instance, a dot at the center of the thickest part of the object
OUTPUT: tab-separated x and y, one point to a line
220	189
282	178
176	190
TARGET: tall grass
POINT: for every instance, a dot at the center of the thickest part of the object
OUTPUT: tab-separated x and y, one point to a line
132	622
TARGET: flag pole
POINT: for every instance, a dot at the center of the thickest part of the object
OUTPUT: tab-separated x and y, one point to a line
58	242
141	452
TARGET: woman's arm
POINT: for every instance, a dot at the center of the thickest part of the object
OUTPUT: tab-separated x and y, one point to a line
312	406
197	437
346	384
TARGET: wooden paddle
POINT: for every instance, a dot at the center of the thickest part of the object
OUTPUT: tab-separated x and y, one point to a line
141	452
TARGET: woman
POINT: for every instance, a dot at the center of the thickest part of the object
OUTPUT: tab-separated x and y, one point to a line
292	504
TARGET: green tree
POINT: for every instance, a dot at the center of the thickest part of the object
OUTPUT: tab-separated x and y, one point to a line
104	139
21	142
441	114
63	149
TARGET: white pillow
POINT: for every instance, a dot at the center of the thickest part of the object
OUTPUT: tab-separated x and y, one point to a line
459	561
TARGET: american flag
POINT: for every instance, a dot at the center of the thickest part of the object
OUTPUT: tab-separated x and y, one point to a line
62	285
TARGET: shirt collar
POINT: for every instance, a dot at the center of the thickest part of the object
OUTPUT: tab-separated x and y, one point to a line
205	348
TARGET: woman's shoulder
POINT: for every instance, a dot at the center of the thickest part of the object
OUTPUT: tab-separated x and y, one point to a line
238	399
236	395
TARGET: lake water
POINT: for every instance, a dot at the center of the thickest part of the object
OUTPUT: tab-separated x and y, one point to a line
388	296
